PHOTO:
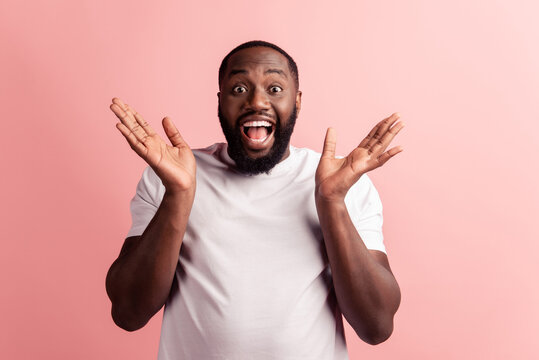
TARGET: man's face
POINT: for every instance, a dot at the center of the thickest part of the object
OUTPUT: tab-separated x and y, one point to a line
258	105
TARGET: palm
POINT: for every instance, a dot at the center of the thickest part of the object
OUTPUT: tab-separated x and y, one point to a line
335	176
175	165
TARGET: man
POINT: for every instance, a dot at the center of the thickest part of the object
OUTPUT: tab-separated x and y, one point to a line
255	247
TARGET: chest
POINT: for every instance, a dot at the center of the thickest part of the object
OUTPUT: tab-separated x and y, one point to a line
259	229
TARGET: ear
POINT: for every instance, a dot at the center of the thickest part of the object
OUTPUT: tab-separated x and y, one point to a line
298	102
219	95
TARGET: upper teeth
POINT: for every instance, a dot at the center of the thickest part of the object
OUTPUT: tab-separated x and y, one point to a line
257	123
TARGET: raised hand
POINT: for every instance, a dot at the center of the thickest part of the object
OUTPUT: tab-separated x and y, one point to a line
334	177
175	165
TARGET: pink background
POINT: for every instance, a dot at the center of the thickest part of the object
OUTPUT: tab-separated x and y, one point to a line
460	203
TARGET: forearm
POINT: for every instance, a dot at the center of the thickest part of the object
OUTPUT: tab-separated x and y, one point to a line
367	293
139	281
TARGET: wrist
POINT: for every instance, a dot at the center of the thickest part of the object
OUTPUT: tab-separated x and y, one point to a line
329	202
322	195
180	195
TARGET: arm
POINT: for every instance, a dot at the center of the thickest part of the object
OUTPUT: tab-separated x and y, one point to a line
366	289
139	281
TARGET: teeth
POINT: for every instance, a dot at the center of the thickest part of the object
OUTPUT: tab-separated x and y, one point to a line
257	123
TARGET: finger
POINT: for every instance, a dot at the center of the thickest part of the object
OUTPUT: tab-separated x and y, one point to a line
386	139
136	116
124	107
330	143
127	118
119	102
367	138
384	125
371	134
136	145
140	120
172	133
383	158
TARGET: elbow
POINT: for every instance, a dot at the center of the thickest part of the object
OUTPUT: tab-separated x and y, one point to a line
375	333
378	327
377	336
125	322
122	311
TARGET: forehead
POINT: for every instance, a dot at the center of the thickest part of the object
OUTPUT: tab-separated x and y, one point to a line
257	59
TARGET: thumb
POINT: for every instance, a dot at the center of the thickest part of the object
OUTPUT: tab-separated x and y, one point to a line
172	132
330	142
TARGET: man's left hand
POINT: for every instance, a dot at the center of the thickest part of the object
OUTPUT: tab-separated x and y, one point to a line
334	177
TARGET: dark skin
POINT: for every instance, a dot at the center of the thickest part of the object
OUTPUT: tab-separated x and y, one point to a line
139	281
366	289
257	81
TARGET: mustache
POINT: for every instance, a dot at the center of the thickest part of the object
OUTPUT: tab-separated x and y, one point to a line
257	113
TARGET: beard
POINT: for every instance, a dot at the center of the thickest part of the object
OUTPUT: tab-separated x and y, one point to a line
264	164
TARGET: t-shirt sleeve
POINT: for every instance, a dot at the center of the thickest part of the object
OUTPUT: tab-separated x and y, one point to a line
365	209
144	204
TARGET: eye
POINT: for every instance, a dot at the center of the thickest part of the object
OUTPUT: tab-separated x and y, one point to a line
239	89
276	89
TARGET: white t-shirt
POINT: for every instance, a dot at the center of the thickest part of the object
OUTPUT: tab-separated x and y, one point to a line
253	279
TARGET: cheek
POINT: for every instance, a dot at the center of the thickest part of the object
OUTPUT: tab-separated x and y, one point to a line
284	108
229	108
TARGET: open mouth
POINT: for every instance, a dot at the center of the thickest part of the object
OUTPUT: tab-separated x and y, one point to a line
257	134
257	131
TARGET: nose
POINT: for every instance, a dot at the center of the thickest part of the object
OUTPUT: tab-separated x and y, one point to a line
258	100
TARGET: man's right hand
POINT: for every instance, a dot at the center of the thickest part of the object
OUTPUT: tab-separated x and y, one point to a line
175	165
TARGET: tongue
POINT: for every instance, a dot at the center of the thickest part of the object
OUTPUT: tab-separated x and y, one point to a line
259	132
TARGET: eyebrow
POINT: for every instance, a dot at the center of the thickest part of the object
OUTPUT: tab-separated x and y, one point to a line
269	71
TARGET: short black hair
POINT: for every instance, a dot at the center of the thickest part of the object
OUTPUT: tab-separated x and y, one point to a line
254	43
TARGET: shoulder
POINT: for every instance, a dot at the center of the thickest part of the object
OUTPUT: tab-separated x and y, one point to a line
305	156
363	195
364	184
209	150
212	158
149	177
304	152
